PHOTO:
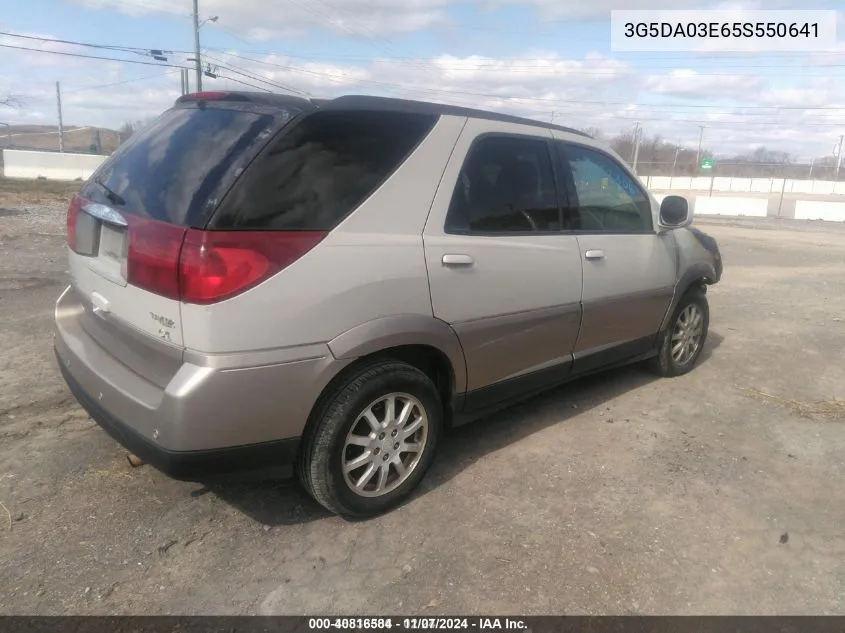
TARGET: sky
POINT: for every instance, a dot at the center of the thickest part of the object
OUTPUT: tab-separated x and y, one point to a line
546	59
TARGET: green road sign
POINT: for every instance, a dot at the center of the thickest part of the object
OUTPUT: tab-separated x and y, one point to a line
707	163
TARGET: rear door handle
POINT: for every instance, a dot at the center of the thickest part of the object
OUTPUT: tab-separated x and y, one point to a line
594	254
457	260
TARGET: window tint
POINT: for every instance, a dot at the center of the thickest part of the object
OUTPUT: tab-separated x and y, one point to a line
608	198
169	170
506	184
317	172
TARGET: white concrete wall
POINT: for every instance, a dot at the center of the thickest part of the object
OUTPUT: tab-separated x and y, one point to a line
815	210
758	185
50	165
800	186
728	205
726	184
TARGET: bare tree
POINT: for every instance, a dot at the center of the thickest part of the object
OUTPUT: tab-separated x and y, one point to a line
594	132
132	127
11	101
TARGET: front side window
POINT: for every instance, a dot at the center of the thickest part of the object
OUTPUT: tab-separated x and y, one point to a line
609	200
506	185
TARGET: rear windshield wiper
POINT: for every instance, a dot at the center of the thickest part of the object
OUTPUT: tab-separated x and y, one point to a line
113	197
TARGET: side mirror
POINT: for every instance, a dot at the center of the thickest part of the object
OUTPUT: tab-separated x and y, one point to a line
675	213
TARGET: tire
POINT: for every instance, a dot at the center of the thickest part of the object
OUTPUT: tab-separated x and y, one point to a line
666	363
327	449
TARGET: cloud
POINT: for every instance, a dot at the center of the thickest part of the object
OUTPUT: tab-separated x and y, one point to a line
600	9
584	91
685	82
365	19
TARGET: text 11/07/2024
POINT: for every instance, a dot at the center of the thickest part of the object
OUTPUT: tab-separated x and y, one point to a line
723	30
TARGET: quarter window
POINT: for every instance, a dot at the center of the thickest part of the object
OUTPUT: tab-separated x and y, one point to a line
318	172
505	185
609	200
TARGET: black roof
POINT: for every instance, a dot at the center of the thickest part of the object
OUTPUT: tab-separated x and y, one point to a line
365	102
386	104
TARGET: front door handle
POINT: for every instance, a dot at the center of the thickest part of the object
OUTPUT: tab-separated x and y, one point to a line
457	260
594	254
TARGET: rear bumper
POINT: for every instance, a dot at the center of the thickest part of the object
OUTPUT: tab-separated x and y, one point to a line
273	458
211	415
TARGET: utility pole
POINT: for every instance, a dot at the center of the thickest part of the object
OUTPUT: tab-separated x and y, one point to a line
812	162
700	140
197	59
185	76
838	157
61	127
675	161
637	136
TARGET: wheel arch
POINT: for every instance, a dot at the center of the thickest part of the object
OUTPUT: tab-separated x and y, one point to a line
699	275
412	336
423	342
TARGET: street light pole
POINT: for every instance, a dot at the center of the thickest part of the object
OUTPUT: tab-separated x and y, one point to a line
197	59
839	157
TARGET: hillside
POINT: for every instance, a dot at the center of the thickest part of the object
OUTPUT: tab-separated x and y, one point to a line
46	138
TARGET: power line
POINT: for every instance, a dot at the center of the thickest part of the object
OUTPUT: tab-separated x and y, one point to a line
245	83
118	83
108	59
258	78
124	49
699	57
333	77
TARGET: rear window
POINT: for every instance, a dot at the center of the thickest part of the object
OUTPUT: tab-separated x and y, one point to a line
171	169
319	171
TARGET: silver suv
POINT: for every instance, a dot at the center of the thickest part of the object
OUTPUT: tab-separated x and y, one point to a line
263	284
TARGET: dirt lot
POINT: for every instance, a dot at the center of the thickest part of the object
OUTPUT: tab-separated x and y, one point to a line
718	492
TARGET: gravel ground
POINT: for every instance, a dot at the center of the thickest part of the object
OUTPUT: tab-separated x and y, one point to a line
711	493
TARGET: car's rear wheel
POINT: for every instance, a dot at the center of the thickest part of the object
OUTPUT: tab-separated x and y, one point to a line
683	340
373	439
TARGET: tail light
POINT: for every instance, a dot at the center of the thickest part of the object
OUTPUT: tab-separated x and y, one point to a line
216	265
197	266
208	266
153	256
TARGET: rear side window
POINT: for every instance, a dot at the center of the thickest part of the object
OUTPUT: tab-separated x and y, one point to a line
320	170
505	185
170	169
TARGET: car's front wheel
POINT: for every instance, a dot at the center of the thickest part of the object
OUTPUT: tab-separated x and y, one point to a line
683	340
373	440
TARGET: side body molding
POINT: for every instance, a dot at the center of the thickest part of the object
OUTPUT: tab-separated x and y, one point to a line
403	329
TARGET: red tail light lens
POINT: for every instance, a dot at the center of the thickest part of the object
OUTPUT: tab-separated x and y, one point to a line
217	265
207	266
73	212
153	257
